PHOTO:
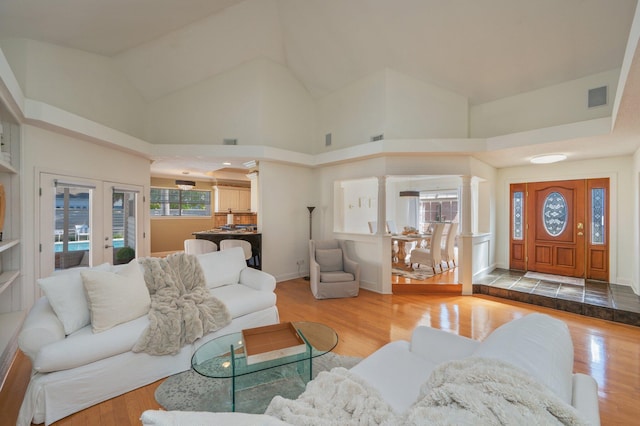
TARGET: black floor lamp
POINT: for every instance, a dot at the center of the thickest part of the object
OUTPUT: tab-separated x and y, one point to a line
310	235
310	219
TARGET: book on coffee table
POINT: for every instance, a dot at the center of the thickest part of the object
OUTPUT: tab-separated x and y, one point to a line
272	342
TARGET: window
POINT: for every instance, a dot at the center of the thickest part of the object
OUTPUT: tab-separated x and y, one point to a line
176	202
437	206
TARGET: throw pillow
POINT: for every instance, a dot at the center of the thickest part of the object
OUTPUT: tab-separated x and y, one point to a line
330	260
65	293
538	344
116	297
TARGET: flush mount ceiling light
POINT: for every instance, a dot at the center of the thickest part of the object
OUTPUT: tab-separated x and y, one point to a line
547	159
185	185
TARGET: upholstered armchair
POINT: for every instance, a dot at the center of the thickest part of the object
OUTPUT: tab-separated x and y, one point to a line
332	274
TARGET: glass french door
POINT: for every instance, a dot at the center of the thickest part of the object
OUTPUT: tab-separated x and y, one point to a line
121	236
86	222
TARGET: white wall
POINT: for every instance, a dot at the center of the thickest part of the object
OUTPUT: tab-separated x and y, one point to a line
359	205
619	170
258	103
225	106
283	219
551	106
83	83
353	114
59	154
415	110
390	103
635	185
287	110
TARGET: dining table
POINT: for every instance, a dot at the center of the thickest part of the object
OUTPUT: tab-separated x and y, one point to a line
421	240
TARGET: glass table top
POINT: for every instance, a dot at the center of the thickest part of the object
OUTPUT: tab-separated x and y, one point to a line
224	356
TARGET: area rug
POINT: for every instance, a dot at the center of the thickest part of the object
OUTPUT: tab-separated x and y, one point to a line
189	391
555	278
417	274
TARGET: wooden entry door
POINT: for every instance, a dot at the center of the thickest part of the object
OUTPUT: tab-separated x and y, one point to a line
556	235
561	227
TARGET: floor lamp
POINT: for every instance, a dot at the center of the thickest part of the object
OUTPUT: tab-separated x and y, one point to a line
310	235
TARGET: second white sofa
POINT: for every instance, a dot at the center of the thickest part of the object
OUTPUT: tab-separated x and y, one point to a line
75	369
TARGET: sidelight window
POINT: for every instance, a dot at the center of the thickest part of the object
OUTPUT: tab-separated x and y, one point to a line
518	205
597	215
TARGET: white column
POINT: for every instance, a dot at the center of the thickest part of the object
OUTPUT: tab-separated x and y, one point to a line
466	207
465	249
382	205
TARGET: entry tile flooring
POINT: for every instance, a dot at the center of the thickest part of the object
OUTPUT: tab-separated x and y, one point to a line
596	299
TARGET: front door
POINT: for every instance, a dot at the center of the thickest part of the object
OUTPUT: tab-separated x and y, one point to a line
560	227
556	227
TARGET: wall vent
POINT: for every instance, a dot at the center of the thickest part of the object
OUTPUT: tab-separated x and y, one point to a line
597	97
230	141
327	139
377	137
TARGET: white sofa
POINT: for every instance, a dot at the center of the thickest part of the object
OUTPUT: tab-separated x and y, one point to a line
73	371
537	344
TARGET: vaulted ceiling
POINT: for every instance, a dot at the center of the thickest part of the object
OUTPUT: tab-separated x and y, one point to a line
484	50
481	49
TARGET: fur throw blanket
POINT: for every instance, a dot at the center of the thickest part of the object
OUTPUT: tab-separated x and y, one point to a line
470	391
182	308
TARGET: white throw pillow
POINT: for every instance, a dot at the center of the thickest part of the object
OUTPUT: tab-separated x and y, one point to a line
66	295
538	344
116	297
222	267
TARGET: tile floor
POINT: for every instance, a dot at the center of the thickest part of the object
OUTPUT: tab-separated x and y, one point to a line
596	299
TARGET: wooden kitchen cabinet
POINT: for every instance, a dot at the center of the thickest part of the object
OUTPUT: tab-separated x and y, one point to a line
233	198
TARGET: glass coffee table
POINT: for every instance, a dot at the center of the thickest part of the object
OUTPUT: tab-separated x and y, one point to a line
224	358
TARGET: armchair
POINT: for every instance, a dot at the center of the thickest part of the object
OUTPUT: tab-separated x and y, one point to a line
332	274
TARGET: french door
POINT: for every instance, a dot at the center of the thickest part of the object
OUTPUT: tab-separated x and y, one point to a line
561	227
85	222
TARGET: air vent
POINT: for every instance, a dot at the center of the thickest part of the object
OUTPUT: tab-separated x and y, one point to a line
377	137
327	139
230	141
597	97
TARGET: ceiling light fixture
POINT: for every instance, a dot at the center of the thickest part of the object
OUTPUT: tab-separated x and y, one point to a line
226	163
547	159
185	185
409	193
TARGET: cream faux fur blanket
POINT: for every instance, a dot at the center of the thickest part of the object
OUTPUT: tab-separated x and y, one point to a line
182	308
470	391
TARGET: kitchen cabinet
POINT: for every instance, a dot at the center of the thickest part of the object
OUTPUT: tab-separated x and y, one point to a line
236	199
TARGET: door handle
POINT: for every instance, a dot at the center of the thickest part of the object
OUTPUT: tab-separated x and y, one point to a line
107	246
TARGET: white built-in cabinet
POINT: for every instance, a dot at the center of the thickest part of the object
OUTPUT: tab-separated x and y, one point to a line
236	199
11	292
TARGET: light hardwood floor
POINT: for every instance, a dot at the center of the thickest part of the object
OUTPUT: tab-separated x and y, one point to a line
608	351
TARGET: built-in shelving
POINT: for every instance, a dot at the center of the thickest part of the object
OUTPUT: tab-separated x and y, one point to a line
12	303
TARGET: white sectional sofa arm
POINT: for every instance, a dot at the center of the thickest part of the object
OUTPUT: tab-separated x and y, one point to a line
439	346
257	280
40	328
585	398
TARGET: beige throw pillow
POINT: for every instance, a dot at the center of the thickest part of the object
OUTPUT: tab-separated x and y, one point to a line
116	297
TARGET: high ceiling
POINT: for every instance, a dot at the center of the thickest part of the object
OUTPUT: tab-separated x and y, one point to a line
481	49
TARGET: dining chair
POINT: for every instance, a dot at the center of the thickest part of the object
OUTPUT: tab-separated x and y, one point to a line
448	249
432	256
